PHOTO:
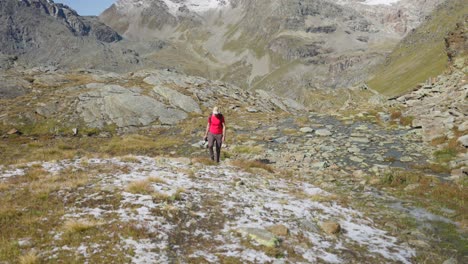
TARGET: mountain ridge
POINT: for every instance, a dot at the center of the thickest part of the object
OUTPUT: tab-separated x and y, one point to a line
281	46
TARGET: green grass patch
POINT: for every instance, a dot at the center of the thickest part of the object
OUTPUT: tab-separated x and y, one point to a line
421	54
445	155
247	149
139	145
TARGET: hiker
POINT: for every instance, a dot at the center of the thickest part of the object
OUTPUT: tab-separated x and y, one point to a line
215	133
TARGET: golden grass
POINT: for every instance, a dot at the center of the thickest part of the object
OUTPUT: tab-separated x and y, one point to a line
140	187
130	159
30	258
155	179
78	226
248	165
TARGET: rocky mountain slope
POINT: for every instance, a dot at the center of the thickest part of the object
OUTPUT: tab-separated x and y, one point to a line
286	46
40	32
422	54
143	99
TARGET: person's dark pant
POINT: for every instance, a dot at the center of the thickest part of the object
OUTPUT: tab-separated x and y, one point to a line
212	140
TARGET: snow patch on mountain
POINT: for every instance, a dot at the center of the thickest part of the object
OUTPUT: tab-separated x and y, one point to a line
197	6
381	2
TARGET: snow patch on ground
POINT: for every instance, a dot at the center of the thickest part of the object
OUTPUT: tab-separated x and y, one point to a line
244	200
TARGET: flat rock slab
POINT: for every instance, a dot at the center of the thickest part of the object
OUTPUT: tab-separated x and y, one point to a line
323	132
177	99
113	104
261	236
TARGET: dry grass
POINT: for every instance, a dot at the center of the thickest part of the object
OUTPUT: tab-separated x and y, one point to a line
204	161
138	144
140	187
432	167
164	197
439	141
248	149
157	180
130	159
78	226
248	165
430	192
30	258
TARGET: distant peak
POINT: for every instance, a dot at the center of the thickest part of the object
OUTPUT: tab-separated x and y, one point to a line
175	6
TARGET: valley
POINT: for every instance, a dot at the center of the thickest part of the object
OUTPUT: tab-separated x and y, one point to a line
341	147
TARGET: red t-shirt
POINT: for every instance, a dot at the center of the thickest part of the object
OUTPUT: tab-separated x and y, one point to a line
216	124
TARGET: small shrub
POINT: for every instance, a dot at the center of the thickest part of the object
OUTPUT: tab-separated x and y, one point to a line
248	165
399	178
396	114
445	155
439	141
406	120
140	187
30	258
78	226
157	180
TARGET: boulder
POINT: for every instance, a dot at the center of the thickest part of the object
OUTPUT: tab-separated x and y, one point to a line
463	141
279	230
330	227
13	131
323	132
306	130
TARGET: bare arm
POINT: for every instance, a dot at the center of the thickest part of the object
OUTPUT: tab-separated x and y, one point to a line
207	129
224	131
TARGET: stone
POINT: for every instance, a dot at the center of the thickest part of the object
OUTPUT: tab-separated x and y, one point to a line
319	165
279	230
412	187
406	159
358	174
323	132
419	243
25	243
330	227
261	236
309	226
463	141
282	140
252	110
306	130
13	131
360	139
463	126
451	261
356	159
354	150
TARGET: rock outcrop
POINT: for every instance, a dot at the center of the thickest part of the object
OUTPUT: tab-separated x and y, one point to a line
157	97
41	32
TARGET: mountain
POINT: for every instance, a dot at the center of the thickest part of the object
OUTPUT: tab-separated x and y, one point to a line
290	47
41	32
422	54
